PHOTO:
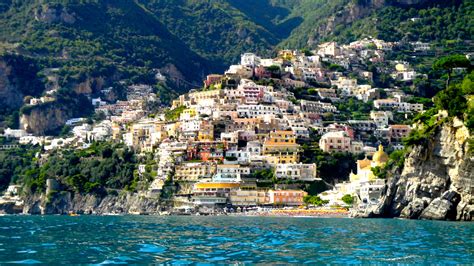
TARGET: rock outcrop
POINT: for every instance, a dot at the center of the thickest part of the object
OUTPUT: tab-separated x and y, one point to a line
437	181
67	202
52	14
42	119
9	92
18	78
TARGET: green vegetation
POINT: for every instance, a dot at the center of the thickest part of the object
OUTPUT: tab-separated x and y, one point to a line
264	174
348	199
15	163
354	109
455	99
128	40
314	200
173	114
331	166
93	170
435	21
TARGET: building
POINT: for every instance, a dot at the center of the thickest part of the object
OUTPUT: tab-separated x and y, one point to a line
256	111
346	85
317	107
381	118
230	173
280	142
286	197
14	133
296	171
339	141
212	79
194	171
365	184
329	48
398	132
212	193
244	198
249	60
398	105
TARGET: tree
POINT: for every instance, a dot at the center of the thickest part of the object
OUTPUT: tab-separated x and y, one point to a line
314	200
348	199
447	63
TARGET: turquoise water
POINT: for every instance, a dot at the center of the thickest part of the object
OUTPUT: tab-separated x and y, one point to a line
212	240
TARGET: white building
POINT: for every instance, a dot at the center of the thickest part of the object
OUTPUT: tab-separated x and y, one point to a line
230	173
381	118
74	121
259	110
346	85
250	60
397	105
14	133
296	171
317	107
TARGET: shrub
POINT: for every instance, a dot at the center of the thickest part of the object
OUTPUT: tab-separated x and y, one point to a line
348	199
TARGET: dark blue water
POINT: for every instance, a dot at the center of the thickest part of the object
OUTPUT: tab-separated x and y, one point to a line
211	240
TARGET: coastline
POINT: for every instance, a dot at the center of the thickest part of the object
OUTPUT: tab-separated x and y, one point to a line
315	213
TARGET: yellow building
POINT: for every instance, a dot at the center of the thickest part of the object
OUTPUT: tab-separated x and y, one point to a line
212	193
401	67
188	114
206	131
292	157
281	143
215	186
285	54
194	171
199	96
116	131
172	129
364	167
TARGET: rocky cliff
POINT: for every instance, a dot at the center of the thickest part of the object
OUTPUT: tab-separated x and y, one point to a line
437	180
9	92
67	202
18	78
43	119
49	13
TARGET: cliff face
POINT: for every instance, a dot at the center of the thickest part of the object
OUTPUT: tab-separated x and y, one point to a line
66	202
52	14
9	92
41	120
437	181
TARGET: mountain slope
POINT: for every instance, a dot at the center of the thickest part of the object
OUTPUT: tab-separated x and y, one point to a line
119	33
222	30
390	20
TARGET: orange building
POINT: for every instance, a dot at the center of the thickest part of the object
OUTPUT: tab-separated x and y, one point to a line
286	197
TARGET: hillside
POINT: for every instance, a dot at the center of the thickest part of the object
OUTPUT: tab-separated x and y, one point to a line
95	44
199	37
346	20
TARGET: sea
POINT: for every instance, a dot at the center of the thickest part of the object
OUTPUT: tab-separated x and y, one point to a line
209	240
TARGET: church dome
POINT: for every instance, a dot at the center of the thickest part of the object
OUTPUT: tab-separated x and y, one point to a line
380	156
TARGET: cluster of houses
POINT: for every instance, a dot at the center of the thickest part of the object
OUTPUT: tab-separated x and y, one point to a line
238	140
